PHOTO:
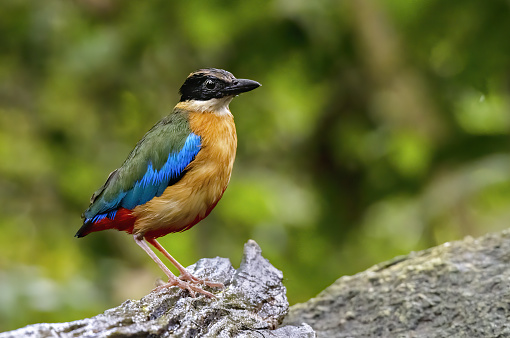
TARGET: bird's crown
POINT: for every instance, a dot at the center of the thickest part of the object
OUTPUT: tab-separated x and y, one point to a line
212	83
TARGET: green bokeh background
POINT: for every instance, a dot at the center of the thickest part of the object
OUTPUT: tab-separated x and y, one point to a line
381	127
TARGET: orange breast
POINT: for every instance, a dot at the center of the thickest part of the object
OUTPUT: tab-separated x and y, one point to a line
192	198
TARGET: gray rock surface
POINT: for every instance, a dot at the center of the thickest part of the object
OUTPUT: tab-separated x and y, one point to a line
458	289
253	304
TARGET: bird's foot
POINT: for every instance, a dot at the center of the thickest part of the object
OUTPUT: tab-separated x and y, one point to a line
192	289
188	277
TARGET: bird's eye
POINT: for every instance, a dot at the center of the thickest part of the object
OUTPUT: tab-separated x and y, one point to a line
209	84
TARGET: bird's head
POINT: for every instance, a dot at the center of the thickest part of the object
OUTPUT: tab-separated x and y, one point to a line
211	87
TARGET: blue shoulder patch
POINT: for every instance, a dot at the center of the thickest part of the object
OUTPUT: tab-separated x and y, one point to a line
154	182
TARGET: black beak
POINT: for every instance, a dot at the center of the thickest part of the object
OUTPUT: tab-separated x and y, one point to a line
239	86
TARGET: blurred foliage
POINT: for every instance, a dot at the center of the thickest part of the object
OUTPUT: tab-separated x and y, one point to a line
382	127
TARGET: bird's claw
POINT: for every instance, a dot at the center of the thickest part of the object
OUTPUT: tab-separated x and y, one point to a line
188	277
190	286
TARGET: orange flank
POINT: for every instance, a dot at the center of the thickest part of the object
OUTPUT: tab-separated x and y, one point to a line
190	200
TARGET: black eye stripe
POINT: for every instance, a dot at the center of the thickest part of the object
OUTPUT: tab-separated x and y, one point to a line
202	87
206	84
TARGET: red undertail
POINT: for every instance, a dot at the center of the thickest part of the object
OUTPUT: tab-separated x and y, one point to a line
123	221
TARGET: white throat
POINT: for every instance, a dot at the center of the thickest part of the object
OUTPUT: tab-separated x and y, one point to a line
217	106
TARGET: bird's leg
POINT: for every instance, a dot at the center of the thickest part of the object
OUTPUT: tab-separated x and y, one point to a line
185	275
172	279
156	259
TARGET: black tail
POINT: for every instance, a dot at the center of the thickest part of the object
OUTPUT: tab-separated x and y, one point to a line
84	230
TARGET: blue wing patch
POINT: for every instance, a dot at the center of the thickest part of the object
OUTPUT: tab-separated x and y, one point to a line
97	218
154	182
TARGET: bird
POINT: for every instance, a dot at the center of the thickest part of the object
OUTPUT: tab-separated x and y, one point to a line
176	174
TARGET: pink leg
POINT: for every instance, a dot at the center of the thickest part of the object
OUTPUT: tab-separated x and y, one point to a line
185	275
172	279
